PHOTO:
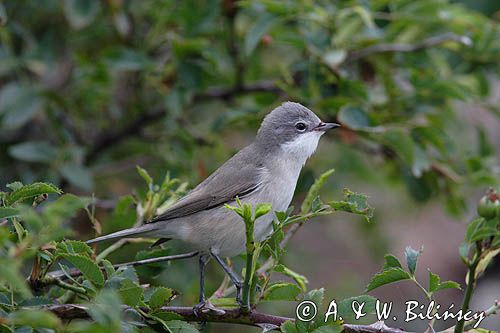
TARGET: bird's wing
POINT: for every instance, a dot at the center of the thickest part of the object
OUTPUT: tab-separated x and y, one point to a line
231	180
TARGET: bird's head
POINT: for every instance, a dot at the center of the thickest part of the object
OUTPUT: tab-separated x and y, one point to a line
292	128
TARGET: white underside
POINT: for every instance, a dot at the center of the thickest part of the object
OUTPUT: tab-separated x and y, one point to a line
221	230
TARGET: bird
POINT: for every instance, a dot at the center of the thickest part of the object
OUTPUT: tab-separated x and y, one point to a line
265	171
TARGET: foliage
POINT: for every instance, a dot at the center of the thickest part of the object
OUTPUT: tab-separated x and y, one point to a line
119	80
481	246
89	88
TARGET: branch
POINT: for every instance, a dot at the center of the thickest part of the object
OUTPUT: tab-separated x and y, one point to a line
426	43
231	316
75	272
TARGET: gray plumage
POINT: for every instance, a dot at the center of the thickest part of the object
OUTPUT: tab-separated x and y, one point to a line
265	171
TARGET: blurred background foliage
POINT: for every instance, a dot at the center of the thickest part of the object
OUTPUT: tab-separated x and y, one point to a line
89	89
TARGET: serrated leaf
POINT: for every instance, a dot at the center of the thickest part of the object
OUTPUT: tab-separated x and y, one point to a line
179	326
159	297
74	247
434	281
391	261
411	258
313	192
29	192
345	307
282	292
387	276
89	269
355	203
262	209
130	293
448	285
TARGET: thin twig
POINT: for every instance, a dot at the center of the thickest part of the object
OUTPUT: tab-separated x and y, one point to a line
426	43
75	272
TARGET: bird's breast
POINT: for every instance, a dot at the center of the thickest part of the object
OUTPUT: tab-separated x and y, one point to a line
277	188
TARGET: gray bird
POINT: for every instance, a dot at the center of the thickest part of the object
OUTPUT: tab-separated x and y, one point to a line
266	171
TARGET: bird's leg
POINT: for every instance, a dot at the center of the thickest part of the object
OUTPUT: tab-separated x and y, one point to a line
238	283
204	303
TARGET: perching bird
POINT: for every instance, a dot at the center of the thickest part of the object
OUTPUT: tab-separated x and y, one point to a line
266	171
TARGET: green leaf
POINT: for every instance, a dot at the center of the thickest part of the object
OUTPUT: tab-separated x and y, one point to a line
353	203
391	261
262	209
126	59
74	247
33	151
281	291
35	318
179	326
15	185
80	13
399	141
65	207
18	104
345	307
463	251
77	175
11	276
6	212
316	296
159	297
434	281
301	280
30	191
486	259
130	293
88	268
255	33
289	327
448	285
334	58
354	117
314	191
411	258
145	175
387	276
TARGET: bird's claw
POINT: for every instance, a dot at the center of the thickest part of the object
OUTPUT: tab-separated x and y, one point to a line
206	306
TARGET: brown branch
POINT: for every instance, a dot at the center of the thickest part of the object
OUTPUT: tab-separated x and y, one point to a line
426	43
231	316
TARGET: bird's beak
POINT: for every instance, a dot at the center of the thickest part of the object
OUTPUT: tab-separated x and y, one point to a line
326	126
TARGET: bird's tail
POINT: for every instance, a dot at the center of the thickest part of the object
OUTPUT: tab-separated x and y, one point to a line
143	230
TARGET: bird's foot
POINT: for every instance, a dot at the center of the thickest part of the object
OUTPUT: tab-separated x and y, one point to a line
206	306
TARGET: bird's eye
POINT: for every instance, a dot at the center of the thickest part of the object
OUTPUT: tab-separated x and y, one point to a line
300	126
